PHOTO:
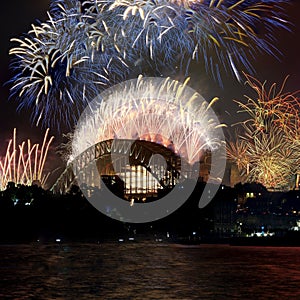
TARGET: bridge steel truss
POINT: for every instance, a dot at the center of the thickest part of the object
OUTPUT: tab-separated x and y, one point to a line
116	156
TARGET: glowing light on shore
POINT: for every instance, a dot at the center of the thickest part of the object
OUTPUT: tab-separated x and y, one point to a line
24	163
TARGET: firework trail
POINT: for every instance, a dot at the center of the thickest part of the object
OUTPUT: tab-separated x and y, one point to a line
267	151
63	63
24	165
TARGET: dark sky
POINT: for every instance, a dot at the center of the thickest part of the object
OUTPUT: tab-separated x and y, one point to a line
18	15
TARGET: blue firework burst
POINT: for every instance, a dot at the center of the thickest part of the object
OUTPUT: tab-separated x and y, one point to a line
62	64
57	73
225	35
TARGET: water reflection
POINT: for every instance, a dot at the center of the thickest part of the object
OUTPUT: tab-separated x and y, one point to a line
148	271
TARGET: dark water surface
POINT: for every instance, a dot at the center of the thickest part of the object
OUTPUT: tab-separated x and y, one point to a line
148	271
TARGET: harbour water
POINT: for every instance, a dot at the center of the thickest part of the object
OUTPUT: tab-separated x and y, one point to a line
148	271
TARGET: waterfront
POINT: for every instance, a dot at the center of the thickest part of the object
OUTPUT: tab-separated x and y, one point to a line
148	271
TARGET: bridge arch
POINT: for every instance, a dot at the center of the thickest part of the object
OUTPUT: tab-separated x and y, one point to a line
137	165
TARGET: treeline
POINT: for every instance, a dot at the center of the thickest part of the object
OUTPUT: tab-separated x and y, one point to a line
30	213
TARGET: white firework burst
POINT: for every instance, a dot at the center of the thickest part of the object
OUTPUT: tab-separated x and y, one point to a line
158	110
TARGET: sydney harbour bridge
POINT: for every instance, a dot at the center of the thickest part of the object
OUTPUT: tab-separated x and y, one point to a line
141	139
139	170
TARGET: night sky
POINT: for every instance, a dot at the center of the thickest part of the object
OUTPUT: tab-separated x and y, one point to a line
17	16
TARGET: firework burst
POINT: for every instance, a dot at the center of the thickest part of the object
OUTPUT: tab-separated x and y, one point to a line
237	152
274	159
57	71
222	34
267	151
272	107
162	111
268	158
24	163
63	63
